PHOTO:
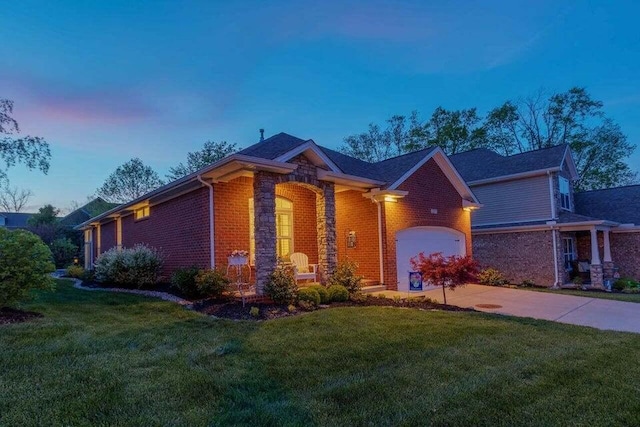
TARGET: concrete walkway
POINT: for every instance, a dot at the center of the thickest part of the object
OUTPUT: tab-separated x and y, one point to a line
575	310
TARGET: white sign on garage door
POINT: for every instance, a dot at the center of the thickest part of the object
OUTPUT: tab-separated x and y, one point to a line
411	241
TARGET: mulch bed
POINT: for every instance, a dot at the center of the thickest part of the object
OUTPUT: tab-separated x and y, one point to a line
235	310
12	315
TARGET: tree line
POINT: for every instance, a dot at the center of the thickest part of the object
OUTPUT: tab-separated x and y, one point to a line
542	120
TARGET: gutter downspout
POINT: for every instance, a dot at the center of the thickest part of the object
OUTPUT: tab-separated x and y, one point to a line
211	223
380	240
554	232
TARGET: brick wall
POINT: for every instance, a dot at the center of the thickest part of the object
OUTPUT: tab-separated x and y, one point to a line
108	236
231	201
625	252
179	228
232	217
518	255
355	213
428	188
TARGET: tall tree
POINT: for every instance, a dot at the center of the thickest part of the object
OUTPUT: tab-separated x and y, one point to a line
402	134
574	118
196	160
13	199
47	215
129	181
454	131
32	151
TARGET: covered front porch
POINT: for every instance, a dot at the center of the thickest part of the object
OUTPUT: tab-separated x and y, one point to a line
274	211
586	255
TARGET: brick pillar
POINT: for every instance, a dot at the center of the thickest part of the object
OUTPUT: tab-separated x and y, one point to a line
264	205
326	223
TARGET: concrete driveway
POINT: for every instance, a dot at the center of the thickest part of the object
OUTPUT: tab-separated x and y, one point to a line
583	311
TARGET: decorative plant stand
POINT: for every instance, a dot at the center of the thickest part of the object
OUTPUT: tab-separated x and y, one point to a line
235	270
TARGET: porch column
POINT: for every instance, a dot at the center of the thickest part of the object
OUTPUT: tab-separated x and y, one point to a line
264	209
326	223
597	277
608	268
607	247
595	254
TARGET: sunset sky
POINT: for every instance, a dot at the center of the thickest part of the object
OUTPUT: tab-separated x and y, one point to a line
106	81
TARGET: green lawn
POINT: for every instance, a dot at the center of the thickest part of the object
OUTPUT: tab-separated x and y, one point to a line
591	294
98	358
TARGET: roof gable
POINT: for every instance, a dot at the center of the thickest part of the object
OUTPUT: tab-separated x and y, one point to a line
445	165
273	147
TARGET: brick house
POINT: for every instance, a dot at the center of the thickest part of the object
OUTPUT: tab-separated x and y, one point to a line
534	226
285	194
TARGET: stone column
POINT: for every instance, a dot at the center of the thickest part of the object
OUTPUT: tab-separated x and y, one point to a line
607	262
264	209
326	223
597	277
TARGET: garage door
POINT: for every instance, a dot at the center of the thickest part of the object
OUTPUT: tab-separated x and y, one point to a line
411	241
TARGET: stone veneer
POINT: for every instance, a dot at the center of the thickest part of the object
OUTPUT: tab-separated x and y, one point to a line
264	187
264	206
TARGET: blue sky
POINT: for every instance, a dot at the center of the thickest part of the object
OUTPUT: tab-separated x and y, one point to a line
107	81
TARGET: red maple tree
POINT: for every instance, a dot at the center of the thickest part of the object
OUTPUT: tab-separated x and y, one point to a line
451	271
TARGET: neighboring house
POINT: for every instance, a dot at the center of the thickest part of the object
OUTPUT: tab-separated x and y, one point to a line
84	213
533	226
285	195
13	220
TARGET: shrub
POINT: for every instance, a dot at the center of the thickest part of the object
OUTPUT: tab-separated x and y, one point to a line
624	283
88	276
307	305
25	264
184	281
491	277
527	283
322	291
291	308
309	295
254	312
63	250
131	267
577	280
281	286
75	271
212	283
338	293
345	276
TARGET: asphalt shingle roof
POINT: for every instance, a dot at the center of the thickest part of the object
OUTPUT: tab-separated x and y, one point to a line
620	204
481	163
273	147
88	211
388	170
15	219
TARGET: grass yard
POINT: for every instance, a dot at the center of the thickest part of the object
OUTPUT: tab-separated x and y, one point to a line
617	296
98	358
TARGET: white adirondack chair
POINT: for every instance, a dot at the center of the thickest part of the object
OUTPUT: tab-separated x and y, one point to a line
302	269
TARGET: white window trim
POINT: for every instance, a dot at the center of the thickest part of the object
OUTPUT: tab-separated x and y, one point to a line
573	253
568	194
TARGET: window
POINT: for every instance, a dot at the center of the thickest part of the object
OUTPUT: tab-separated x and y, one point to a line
569	252
565	198
284	229
142	213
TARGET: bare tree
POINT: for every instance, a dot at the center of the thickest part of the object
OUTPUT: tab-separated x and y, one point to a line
14	199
